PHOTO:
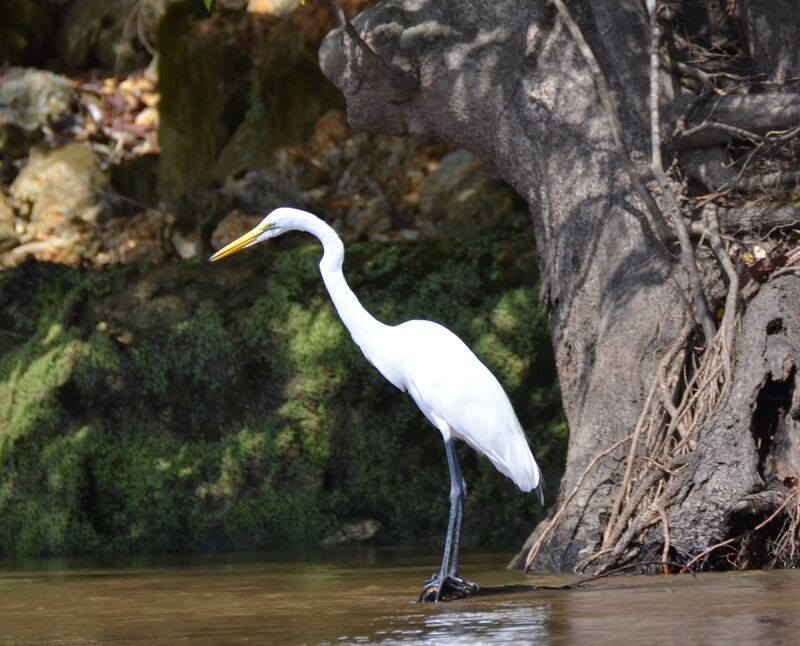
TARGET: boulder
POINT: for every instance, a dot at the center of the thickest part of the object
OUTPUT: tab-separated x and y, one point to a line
60	187
8	232
29	100
143	237
463	198
232	226
259	192
104	32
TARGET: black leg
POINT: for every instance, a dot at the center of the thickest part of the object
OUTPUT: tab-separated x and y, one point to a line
453	569
446	583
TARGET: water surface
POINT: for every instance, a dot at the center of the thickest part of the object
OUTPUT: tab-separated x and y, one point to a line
368	596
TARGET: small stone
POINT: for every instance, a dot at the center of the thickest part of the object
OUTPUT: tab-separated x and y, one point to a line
185	246
147	118
271	7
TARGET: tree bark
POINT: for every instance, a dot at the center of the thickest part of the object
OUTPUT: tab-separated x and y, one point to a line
506	80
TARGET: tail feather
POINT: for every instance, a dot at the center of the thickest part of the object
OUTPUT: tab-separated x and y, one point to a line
539	490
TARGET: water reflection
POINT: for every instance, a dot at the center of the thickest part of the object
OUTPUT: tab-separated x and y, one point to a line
508	622
367	596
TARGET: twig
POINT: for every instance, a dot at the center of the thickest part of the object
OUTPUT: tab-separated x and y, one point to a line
768	180
630	566
732	297
665	528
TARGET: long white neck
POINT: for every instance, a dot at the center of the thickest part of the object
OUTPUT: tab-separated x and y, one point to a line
367	332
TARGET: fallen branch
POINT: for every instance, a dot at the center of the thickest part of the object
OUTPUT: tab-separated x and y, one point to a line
746	117
752	220
766	182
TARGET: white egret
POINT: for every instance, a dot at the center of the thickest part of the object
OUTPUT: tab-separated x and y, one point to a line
451	386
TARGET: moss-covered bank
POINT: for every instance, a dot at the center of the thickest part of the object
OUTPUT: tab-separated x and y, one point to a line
193	407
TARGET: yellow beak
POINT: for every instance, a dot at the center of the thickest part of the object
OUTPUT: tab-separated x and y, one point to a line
237	245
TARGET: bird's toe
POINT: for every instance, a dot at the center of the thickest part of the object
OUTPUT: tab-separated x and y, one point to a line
435	590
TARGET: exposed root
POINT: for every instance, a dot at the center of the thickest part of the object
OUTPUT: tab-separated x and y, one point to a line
787	536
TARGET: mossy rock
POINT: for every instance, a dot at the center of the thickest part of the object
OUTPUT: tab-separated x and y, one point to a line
197	406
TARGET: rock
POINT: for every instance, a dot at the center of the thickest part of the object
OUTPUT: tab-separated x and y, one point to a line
136	178
58	187
103	31
230	395
29	100
260	191
272	7
8	232
369	219
357	532
144	237
186	247
147	118
463	199
232	226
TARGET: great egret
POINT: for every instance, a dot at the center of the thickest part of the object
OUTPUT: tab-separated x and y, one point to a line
451	386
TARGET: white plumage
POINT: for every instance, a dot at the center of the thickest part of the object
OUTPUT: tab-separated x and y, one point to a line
462	398
453	389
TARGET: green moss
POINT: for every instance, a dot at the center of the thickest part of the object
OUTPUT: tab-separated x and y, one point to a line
226	410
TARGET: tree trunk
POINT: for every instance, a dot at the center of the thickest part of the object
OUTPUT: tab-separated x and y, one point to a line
677	441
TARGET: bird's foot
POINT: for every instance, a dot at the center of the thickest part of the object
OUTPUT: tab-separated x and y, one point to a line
436	589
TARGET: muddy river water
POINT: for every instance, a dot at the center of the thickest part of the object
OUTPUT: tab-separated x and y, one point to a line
368	596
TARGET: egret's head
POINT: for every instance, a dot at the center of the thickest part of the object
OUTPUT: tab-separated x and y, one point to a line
279	221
